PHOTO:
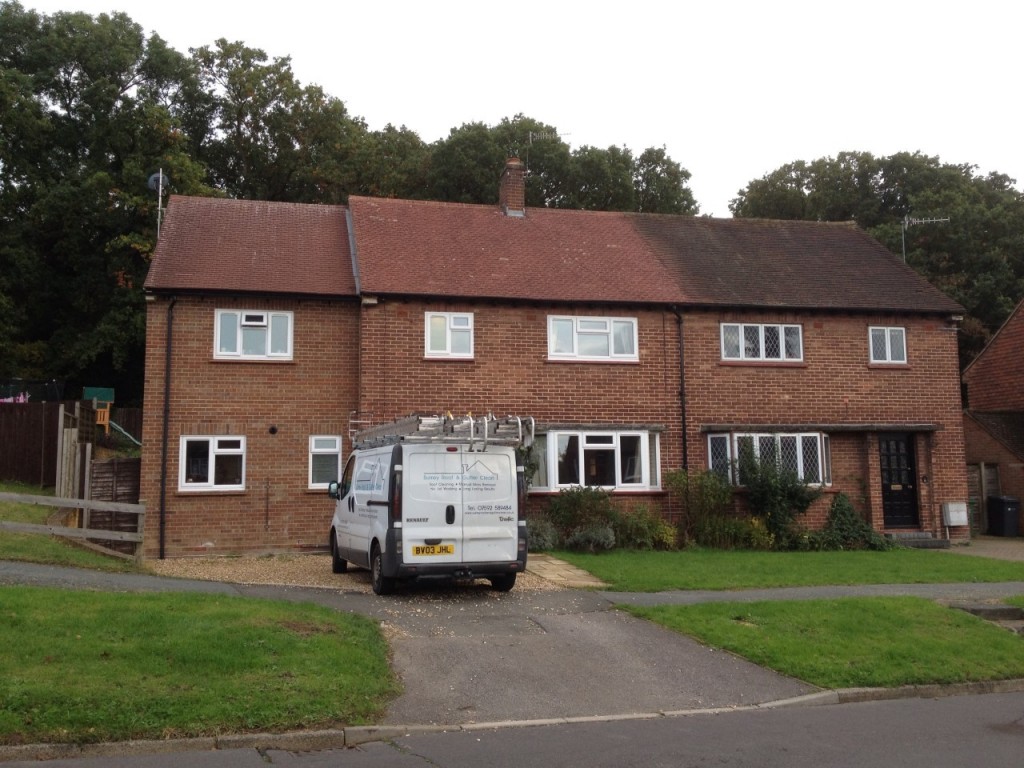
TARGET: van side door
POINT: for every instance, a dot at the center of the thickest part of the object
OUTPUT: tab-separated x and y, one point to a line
369	485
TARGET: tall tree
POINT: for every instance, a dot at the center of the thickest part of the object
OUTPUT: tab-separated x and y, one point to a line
269	137
977	257
87	119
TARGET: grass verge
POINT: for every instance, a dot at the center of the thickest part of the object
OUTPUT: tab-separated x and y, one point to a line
718	569
112	667
853	642
40	548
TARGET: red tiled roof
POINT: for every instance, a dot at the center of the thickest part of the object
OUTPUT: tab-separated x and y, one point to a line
214	244
787	264
422	248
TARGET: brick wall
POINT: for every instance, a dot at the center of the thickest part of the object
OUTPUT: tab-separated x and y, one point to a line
994	378
510	372
311	395
835	385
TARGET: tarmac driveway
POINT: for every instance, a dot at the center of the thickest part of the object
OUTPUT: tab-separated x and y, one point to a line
470	655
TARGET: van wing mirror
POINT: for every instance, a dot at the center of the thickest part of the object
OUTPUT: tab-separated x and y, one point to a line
334	490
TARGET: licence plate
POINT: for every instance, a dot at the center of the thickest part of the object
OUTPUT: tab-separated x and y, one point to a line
434	549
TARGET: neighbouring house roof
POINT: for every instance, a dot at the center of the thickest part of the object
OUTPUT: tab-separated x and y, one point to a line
993	344
418	248
787	264
1005	426
249	246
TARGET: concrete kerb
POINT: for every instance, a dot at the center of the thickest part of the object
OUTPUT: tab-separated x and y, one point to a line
307	741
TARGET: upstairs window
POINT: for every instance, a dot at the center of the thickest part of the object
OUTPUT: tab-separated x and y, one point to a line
449	334
212	464
804	454
757	341
888	345
253	335
592	338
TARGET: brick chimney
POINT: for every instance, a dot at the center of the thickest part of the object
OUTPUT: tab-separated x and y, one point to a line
512	192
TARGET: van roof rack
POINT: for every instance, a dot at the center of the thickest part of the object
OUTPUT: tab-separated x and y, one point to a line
476	431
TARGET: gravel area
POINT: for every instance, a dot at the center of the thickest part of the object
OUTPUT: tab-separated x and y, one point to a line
300	570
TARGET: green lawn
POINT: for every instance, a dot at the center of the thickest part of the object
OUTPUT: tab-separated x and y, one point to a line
40	548
85	667
718	569
853	642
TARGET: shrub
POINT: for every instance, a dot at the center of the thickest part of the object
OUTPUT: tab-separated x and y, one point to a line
541	534
778	496
576	508
845	529
703	498
727	532
591	538
643	529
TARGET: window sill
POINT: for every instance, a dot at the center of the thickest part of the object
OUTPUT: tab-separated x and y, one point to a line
762	363
447	359
540	492
217	491
257	360
591	361
888	366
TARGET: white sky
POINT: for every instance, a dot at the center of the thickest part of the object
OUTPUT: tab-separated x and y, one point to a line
733	90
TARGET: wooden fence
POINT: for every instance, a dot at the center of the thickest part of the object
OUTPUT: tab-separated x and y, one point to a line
94	513
28	442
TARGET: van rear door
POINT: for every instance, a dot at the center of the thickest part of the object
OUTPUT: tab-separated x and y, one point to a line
432	505
490	527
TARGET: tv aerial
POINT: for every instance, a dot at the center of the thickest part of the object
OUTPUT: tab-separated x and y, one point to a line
157	182
907	223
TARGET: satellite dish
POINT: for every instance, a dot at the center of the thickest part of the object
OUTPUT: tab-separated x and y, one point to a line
158	181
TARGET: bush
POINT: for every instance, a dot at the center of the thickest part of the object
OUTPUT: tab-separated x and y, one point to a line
591	538
703	497
577	508
727	532
845	529
777	496
541	534
642	529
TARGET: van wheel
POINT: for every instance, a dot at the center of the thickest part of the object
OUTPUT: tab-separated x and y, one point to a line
503	583
337	564
382	585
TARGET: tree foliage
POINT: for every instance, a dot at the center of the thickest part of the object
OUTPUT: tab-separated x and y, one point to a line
977	257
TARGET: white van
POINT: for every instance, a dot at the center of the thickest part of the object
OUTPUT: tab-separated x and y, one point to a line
418	510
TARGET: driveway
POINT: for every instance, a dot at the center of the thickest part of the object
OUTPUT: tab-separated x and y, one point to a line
471	655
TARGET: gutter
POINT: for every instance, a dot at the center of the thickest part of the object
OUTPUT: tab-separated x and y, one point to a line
168	346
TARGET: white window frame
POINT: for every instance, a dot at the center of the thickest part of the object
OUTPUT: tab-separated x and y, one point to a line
648	450
454	322
730	441
217	446
251	318
741	353
324	445
592	327
889	331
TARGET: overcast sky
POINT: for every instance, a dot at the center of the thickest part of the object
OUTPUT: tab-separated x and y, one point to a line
733	90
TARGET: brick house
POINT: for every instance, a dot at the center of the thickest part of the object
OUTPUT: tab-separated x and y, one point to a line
994	418
640	344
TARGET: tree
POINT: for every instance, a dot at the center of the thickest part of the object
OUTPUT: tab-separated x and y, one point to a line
87	119
268	137
660	184
977	257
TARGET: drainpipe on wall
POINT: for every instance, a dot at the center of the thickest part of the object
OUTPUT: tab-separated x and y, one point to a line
682	389
168	346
